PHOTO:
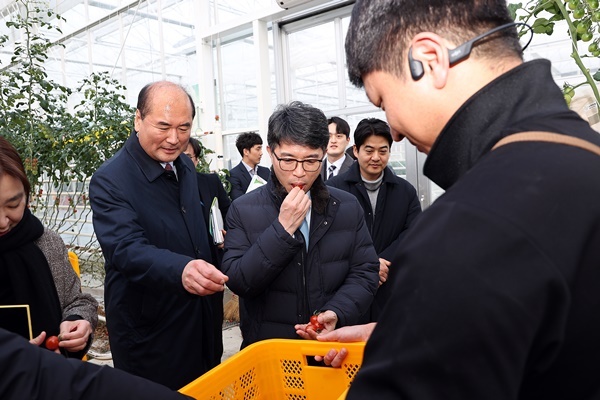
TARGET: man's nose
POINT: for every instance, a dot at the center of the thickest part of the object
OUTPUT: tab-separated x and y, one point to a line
172	135
299	171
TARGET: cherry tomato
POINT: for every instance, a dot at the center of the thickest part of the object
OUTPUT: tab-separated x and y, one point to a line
586	37
315	324
573	4
52	343
578	13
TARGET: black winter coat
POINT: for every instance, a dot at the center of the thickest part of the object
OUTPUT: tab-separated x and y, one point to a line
30	372
396	209
279	283
498	295
149	227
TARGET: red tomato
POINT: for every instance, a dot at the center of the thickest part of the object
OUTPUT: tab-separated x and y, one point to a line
315	324
52	343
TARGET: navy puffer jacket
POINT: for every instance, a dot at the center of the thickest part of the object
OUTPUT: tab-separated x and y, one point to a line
280	283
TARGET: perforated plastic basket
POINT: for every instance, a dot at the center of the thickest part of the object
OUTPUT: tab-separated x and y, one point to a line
278	369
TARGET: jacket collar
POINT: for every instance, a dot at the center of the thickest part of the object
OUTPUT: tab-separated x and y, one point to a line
500	108
318	192
150	167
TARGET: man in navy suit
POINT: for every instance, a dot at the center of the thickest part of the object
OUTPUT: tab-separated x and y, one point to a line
149	223
337	161
249	144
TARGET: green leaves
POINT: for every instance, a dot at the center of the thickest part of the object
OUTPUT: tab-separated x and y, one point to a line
57	141
583	20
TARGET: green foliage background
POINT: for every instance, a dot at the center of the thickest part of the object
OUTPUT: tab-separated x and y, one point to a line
583	24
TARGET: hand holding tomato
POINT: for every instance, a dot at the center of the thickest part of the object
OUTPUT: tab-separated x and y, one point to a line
320	323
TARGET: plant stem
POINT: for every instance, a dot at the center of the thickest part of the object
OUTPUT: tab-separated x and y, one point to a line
575	54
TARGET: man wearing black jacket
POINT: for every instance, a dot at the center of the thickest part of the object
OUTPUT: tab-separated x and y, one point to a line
497	297
390	202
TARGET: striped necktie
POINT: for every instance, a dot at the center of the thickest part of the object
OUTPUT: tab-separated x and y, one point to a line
331	169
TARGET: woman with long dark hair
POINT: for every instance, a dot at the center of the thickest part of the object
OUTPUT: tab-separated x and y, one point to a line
35	269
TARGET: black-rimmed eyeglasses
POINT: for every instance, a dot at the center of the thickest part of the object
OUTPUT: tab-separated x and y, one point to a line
290	164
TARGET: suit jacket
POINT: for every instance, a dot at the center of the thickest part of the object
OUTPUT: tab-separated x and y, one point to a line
240	178
149	227
348	161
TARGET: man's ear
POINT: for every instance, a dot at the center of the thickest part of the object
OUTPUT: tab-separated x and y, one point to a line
268	150
137	121
430	49
355	150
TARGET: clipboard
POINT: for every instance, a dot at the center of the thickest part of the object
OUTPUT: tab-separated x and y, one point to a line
216	222
16	319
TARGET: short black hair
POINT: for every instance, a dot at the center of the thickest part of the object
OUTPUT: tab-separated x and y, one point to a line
247	140
144	97
298	123
371	127
341	126
380	30
196	148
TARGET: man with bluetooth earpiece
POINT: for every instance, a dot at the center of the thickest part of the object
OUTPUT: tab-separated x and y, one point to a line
497	297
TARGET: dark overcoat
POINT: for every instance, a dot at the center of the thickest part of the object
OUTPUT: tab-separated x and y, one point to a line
149	227
30	372
497	297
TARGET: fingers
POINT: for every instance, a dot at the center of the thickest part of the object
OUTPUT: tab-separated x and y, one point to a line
38	340
74	335
335	358
202	278
384	269
293	210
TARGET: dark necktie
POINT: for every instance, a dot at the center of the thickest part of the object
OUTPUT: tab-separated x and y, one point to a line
169	172
331	169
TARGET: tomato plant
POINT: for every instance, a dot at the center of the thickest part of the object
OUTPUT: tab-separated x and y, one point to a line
583	23
52	343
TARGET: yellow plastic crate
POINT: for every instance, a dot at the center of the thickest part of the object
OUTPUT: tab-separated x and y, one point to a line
278	369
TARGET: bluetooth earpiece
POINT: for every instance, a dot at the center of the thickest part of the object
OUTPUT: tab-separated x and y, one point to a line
415	66
462	51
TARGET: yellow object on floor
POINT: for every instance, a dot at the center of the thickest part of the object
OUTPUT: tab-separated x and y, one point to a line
279	369
74	260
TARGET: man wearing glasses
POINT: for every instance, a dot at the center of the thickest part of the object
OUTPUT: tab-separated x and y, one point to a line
294	246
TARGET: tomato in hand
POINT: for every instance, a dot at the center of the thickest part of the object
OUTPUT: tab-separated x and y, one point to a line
315	324
52	343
